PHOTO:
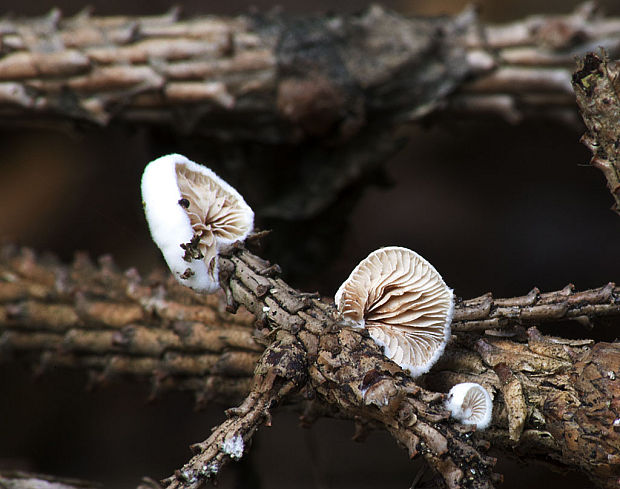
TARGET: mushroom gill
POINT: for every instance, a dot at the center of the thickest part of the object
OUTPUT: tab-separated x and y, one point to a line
215	214
470	403
403	302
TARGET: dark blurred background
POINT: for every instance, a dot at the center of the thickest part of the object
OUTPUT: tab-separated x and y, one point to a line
495	207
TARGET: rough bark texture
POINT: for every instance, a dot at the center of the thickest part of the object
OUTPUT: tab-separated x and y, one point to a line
272	80
113	324
327	93
284	79
596	89
559	398
554	398
280	79
524	68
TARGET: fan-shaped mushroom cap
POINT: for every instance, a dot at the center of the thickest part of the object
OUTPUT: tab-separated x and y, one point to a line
470	403
191	211
403	302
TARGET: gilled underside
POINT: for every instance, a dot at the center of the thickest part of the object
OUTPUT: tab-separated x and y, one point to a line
403	301
474	405
213	212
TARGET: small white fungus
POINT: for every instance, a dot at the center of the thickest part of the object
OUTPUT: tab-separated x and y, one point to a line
233	446
470	403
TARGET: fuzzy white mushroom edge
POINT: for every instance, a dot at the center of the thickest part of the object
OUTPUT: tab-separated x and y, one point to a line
191	212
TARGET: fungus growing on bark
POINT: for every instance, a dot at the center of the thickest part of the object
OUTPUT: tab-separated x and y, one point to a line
403	302
470	403
191	212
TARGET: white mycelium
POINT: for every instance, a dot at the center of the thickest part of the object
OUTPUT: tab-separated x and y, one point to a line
403	302
191	212
233	446
470	403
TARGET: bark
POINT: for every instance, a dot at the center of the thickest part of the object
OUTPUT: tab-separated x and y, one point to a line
113	324
324	92
554	398
257	77
529	73
596	89
329	93
282	79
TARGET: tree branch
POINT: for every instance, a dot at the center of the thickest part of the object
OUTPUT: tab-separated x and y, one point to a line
547	390
485	312
278	78
595	83
281	371
326	92
523	68
115	324
288	72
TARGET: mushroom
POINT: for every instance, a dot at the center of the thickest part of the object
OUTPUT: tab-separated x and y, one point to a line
191	212
470	403
403	302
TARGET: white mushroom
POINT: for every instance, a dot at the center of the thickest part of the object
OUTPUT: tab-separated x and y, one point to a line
191	212
403	302
470	403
